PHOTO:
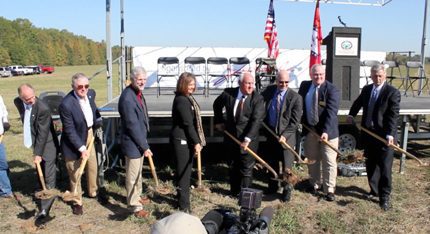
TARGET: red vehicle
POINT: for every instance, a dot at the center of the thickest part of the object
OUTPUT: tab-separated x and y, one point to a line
46	69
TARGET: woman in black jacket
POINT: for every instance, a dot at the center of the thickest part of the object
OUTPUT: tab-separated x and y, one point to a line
186	136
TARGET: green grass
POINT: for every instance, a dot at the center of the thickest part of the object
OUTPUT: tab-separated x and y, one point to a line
350	213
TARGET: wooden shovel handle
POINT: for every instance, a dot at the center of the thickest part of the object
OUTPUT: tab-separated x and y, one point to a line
199	168
253	155
323	141
391	145
153	172
285	144
1	138
40	174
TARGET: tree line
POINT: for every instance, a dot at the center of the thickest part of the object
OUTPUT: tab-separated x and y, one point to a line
24	44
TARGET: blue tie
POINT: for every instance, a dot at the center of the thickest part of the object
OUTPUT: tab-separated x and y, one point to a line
371	107
27	129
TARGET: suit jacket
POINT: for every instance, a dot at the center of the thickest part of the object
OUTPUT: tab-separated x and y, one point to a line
385	111
328	106
251	116
75	130
134	124
291	110
184	120
43	135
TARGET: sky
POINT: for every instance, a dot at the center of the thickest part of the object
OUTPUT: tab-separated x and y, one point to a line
397	26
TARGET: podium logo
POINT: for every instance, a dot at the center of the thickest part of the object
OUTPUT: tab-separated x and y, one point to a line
346	45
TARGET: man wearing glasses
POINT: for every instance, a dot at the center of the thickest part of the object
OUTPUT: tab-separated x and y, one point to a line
79	116
283	114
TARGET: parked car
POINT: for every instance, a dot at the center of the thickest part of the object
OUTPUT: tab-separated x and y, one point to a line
20	70
36	69
46	69
5	72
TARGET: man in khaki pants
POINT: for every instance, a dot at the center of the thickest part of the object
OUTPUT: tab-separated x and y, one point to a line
134	145
79	116
320	106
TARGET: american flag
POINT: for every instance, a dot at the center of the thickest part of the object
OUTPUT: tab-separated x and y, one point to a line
315	57
271	34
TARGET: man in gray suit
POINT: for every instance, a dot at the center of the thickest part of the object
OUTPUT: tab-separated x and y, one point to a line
283	114
134	145
43	140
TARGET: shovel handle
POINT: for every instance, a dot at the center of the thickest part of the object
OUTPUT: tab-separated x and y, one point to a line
1	138
392	145
199	168
40	174
285	144
254	155
323	141
153	172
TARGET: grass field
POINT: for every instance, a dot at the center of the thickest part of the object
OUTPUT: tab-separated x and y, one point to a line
350	213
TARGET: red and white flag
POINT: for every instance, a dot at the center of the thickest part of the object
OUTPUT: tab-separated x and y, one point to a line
315	57
271	34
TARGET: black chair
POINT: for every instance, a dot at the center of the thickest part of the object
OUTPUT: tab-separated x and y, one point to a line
415	72
217	73
167	67
197	66
238	65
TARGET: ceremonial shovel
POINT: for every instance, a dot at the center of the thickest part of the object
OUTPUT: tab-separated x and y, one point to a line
200	187
323	141
158	189
68	196
45	193
393	146
286	145
260	160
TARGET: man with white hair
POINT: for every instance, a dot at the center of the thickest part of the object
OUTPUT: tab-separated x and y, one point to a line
245	112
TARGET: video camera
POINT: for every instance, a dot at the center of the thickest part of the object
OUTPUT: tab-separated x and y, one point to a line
225	221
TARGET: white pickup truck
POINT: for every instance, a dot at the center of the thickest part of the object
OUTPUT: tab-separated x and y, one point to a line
20	70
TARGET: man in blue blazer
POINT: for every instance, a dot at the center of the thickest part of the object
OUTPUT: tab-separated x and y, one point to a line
79	115
381	105
134	145
320	107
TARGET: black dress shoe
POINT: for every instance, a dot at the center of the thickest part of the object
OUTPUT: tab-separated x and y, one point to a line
77	210
330	197
286	194
42	214
385	204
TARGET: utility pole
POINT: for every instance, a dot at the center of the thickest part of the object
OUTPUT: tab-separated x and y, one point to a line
123	67
108	53
423	46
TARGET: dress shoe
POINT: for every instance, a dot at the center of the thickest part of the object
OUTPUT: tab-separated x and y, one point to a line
371	195
144	200
330	197
42	214
286	194
77	210
141	214
385	204
186	210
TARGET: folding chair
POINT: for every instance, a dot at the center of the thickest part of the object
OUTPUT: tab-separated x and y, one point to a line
417	67
394	75
265	72
217	73
367	64
197	66
238	65
167	67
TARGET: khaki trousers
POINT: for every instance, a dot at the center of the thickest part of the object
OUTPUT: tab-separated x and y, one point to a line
133	182
90	171
325	162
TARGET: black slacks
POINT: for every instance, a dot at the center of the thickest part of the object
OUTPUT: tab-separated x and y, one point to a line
379	163
49	168
184	155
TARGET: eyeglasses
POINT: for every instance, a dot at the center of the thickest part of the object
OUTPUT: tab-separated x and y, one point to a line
283	82
83	86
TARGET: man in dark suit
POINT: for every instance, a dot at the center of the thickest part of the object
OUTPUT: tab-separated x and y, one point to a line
283	114
39	130
134	145
381	104
320	107
244	114
79	116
